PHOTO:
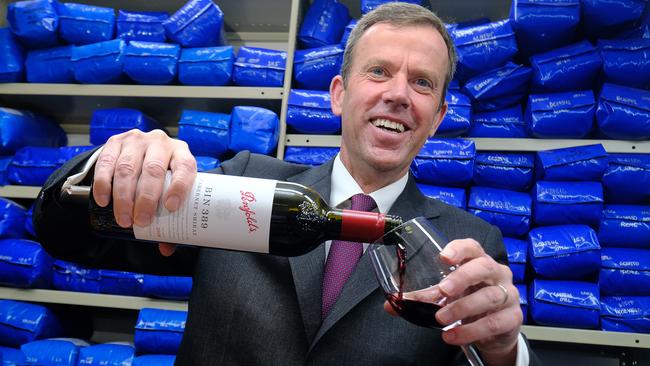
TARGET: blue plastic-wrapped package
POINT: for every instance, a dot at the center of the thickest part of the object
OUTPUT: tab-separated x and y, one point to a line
167	287
254	128
106	354
12	219
24	263
112	121
499	88
603	17
84	24
120	283
544	25
68	152
4	165
483	47
55	352
22	322
206	133
513	171
34	22
20	128
561	115
570	304
307	155
625	314
627	178
206	163
256	66
323	24
314	68
564	252
141	25
445	162
29	225
69	276
517	253
209	66
347	31
50	65
573	67
99	63
370	5
507	122
11	62
508	210
578	163
458	119
151	62
11	356
198	23
32	165
450	195
625	271
626	62
523	300
154	360
623	113
625	226
559	203
159	331
310	111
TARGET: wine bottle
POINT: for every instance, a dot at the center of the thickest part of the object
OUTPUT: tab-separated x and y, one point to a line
247	214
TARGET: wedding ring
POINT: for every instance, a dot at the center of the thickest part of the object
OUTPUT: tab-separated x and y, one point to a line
505	292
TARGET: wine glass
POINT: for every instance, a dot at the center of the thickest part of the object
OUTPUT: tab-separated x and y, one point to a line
409	271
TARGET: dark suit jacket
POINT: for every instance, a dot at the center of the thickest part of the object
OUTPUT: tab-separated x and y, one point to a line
253	309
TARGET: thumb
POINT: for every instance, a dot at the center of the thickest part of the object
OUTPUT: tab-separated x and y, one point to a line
166	249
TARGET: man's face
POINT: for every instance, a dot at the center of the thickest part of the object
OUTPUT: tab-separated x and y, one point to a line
392	100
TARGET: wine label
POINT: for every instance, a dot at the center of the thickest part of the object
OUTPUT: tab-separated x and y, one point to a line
221	211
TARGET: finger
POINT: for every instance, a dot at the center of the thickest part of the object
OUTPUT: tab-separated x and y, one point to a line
390	309
488	299
166	249
462	250
476	273
183	166
104	169
500	329
127	171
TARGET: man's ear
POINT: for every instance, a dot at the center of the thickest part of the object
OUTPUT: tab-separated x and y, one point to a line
437	119
337	92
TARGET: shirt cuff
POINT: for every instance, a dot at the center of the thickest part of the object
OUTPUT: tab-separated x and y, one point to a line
523	358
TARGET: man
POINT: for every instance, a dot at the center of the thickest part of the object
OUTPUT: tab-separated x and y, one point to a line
251	309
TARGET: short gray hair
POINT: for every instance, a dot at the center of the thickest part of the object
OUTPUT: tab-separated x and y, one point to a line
400	14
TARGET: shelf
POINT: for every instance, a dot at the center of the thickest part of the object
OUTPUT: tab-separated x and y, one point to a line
30	192
581	336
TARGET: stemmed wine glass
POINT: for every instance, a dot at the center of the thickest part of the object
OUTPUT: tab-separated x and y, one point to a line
409	271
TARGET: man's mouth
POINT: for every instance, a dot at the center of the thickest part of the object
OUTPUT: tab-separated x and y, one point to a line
389	125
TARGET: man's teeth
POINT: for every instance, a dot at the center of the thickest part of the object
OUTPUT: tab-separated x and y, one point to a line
394	126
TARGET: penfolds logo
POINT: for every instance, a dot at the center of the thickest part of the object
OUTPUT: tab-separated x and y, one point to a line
246	199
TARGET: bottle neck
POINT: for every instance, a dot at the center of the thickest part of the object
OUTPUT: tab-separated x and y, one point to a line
359	226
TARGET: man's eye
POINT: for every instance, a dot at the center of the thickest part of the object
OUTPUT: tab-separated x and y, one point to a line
377	71
423	83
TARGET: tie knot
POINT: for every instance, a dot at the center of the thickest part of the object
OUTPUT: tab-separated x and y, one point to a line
363	202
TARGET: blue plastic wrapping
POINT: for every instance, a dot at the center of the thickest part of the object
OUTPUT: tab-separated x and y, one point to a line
559	203
625	226
151	62
198	23
11	356
308	155
112	121
626	62
564	252
603	17
29	224
517	253
159	331
141	25
254	128
625	271
84	24
323	24
347	31
310	111
68	152
209	66
483	47
206	133
69	276
24	263
625	314
508	210
256	66
573	67
523	300
54	352
544	25
513	171
154	360
12	219
167	287
627	178
499	88
561	115
34	22
624	113
458	119
4	164
571	304
445	162
206	163
106	354
20	128
11	62
99	63
22	322
50	65
450	195
578	163
370	5
120	283
507	122
314	68
32	165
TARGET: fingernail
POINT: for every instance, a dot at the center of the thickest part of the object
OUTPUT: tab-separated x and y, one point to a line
447	286
102	200
444	316
124	220
449	253
143	219
172	203
449	335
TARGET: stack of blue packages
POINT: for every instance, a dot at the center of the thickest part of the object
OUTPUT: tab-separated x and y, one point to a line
68	152
626	62
625	226
50	65
199	23
121	283
113	354
141	26
517	257
12	219
347	31
309	155
625	272
11	63
154	360
499	88
574	67
11	356
32	165
257	66
152	63
206	133
29	224
56	351
69	276
22	322
445	162
310	111
314	68
323	24
561	115
559	203
35	22
25	264
167	287
507	122
627	179
512	171
19	128
523	300
112	121
81	24
623	112
450	195
601	19
254	128
99	63
572	304
458	119
206	163
210	66
510	211
159	331
580	163
625	314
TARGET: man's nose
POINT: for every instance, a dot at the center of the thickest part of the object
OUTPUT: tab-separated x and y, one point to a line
397	92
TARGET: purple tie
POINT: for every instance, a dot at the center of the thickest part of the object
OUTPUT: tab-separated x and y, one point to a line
342	258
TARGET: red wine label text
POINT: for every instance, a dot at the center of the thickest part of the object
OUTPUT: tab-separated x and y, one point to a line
246	199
